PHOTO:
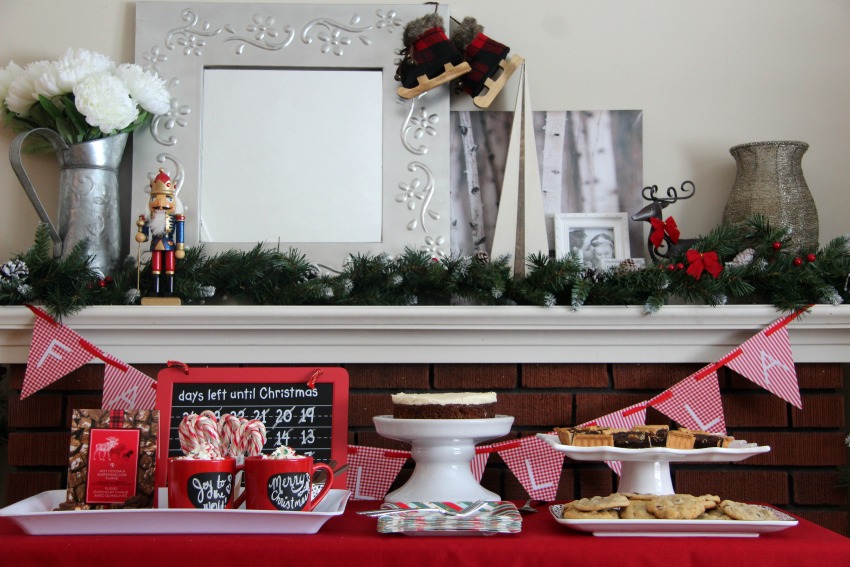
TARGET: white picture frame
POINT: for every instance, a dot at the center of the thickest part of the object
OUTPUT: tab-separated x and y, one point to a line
596	237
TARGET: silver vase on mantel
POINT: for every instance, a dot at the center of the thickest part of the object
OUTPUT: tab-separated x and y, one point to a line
88	196
770	182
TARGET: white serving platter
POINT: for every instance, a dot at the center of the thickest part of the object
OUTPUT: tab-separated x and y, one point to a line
675	528
35	516
709	455
648	470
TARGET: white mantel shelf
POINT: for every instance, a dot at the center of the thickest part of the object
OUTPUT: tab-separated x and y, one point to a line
450	334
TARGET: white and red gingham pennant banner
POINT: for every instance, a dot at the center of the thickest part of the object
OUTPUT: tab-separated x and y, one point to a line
126	388
695	401
535	464
766	360
625	418
479	461
55	351
371	471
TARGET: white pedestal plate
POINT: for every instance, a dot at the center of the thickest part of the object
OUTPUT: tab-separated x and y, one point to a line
647	471
443	450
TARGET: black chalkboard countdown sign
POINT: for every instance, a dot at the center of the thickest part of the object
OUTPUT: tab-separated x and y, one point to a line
305	408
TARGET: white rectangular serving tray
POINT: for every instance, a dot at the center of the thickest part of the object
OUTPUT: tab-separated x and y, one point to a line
675	528
35	516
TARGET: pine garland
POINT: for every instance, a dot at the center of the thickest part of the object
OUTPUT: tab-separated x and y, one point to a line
757	268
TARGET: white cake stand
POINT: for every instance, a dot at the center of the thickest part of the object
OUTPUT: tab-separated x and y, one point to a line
443	450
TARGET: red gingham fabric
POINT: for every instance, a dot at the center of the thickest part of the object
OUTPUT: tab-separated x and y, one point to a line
536	465
55	351
125	388
625	418
478	464
371	471
766	360
694	402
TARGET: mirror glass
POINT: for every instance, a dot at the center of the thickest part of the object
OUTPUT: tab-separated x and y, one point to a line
285	128
319	192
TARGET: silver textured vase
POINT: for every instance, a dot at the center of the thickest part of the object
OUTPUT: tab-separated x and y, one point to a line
88	195
770	182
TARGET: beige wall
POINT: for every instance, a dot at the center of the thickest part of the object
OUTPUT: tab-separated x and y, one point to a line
707	74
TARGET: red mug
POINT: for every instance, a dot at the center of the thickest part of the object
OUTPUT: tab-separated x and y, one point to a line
283	484
204	484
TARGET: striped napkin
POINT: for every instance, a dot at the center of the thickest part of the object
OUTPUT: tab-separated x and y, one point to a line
494	517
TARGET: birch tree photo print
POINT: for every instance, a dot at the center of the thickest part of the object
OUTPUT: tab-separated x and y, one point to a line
590	162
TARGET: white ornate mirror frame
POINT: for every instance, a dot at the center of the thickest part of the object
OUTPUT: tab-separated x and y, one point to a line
407	200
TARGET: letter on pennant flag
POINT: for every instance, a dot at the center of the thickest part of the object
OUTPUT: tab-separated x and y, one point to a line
55	351
625	418
767	361
694	402
536	465
126	388
371	471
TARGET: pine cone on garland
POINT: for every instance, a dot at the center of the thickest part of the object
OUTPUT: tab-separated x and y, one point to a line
743	258
482	257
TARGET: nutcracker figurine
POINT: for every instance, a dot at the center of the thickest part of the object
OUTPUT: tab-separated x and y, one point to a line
164	228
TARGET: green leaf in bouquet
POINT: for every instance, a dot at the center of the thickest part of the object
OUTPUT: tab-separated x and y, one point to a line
64	129
41	117
76	118
143	116
49	107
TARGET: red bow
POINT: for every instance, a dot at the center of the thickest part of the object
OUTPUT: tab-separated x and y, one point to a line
659	227
700	261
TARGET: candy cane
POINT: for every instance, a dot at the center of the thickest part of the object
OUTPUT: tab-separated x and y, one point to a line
210	415
253	437
207	429
239	437
187	433
229	425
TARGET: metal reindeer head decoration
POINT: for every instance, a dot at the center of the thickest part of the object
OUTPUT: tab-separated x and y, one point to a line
664	234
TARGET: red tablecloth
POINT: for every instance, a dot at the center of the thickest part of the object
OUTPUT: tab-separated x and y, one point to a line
352	540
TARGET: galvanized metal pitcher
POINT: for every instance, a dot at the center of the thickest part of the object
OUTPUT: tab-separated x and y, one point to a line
88	195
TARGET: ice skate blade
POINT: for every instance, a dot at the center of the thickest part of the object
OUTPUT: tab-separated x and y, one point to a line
161	301
426	84
495	86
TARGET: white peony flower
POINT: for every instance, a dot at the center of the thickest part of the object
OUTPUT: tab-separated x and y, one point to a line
105	102
146	88
7	75
108	103
22	90
45	76
78	65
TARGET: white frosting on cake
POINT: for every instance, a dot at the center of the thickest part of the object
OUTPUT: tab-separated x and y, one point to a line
444	399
